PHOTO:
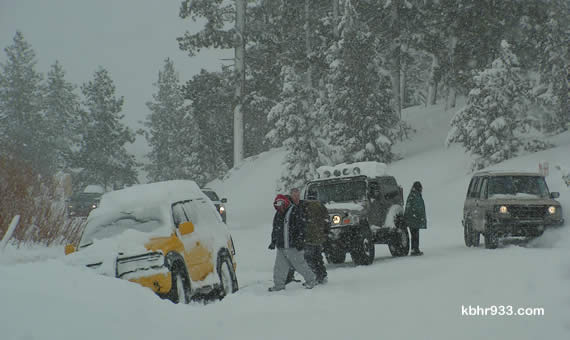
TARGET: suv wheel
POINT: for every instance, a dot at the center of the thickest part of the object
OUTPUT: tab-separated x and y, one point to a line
471	237
399	245
335	255
491	238
363	251
227	275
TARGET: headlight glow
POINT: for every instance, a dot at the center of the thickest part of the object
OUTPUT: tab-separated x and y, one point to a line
336	219
222	209
503	209
94	206
552	210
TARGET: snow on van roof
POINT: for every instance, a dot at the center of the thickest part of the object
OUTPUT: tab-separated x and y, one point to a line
149	196
369	169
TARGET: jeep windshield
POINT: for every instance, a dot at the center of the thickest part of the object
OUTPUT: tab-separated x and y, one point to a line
337	192
113	226
517	187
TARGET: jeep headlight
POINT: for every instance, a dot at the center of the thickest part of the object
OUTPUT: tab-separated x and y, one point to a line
552	210
222	209
336	219
503	209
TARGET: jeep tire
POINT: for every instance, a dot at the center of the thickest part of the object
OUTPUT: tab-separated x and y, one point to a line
399	244
335	255
363	251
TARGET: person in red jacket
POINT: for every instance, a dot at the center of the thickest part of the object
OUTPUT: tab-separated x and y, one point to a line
288	236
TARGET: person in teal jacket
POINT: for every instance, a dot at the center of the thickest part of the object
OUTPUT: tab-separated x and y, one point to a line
415	216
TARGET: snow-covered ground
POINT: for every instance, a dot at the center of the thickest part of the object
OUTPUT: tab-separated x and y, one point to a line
398	298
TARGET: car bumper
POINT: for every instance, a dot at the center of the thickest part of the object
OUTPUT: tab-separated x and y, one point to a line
148	270
518	227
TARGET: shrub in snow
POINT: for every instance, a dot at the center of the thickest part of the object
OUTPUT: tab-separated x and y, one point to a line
493	123
38	201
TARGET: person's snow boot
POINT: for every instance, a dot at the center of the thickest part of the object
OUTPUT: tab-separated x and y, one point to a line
275	289
416	252
308	285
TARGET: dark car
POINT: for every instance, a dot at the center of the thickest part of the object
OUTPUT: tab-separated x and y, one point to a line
81	204
505	204
219	203
364	209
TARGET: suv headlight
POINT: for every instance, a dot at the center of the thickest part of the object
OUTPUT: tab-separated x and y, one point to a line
552	210
336	219
222	209
503	209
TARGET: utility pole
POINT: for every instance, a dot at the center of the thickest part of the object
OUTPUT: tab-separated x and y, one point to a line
239	37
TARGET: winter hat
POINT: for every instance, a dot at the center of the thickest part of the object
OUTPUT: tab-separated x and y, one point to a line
417	186
281	202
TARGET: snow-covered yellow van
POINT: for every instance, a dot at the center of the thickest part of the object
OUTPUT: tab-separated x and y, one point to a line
166	236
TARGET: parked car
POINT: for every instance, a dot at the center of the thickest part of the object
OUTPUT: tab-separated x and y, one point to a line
365	207
82	203
218	203
503	204
166	236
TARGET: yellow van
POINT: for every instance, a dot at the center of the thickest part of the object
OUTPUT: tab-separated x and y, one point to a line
166	236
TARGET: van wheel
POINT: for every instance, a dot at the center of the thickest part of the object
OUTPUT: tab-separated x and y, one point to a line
180	292
227	275
363	251
335	255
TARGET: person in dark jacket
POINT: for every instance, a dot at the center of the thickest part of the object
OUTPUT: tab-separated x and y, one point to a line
288	236
317	217
415	216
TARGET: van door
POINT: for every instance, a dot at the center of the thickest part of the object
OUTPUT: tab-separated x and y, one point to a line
197	254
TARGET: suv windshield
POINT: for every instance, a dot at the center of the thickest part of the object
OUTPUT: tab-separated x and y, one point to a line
118	226
519	186
337	192
211	195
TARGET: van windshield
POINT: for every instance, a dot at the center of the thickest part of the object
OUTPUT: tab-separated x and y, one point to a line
337	192
517	186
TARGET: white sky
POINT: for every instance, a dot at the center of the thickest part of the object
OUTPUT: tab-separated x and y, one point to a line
130	38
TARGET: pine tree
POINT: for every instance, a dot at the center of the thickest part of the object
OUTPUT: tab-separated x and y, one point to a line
492	123
62	112
358	95
553	65
22	127
165	134
102	156
296	127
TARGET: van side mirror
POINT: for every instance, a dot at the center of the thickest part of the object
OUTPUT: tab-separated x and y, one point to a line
70	248
186	228
224	200
554	194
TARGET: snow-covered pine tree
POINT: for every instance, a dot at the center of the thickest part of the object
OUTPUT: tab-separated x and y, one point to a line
164	133
210	122
62	112
490	126
102	157
296	126
554	61
358	95
22	126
